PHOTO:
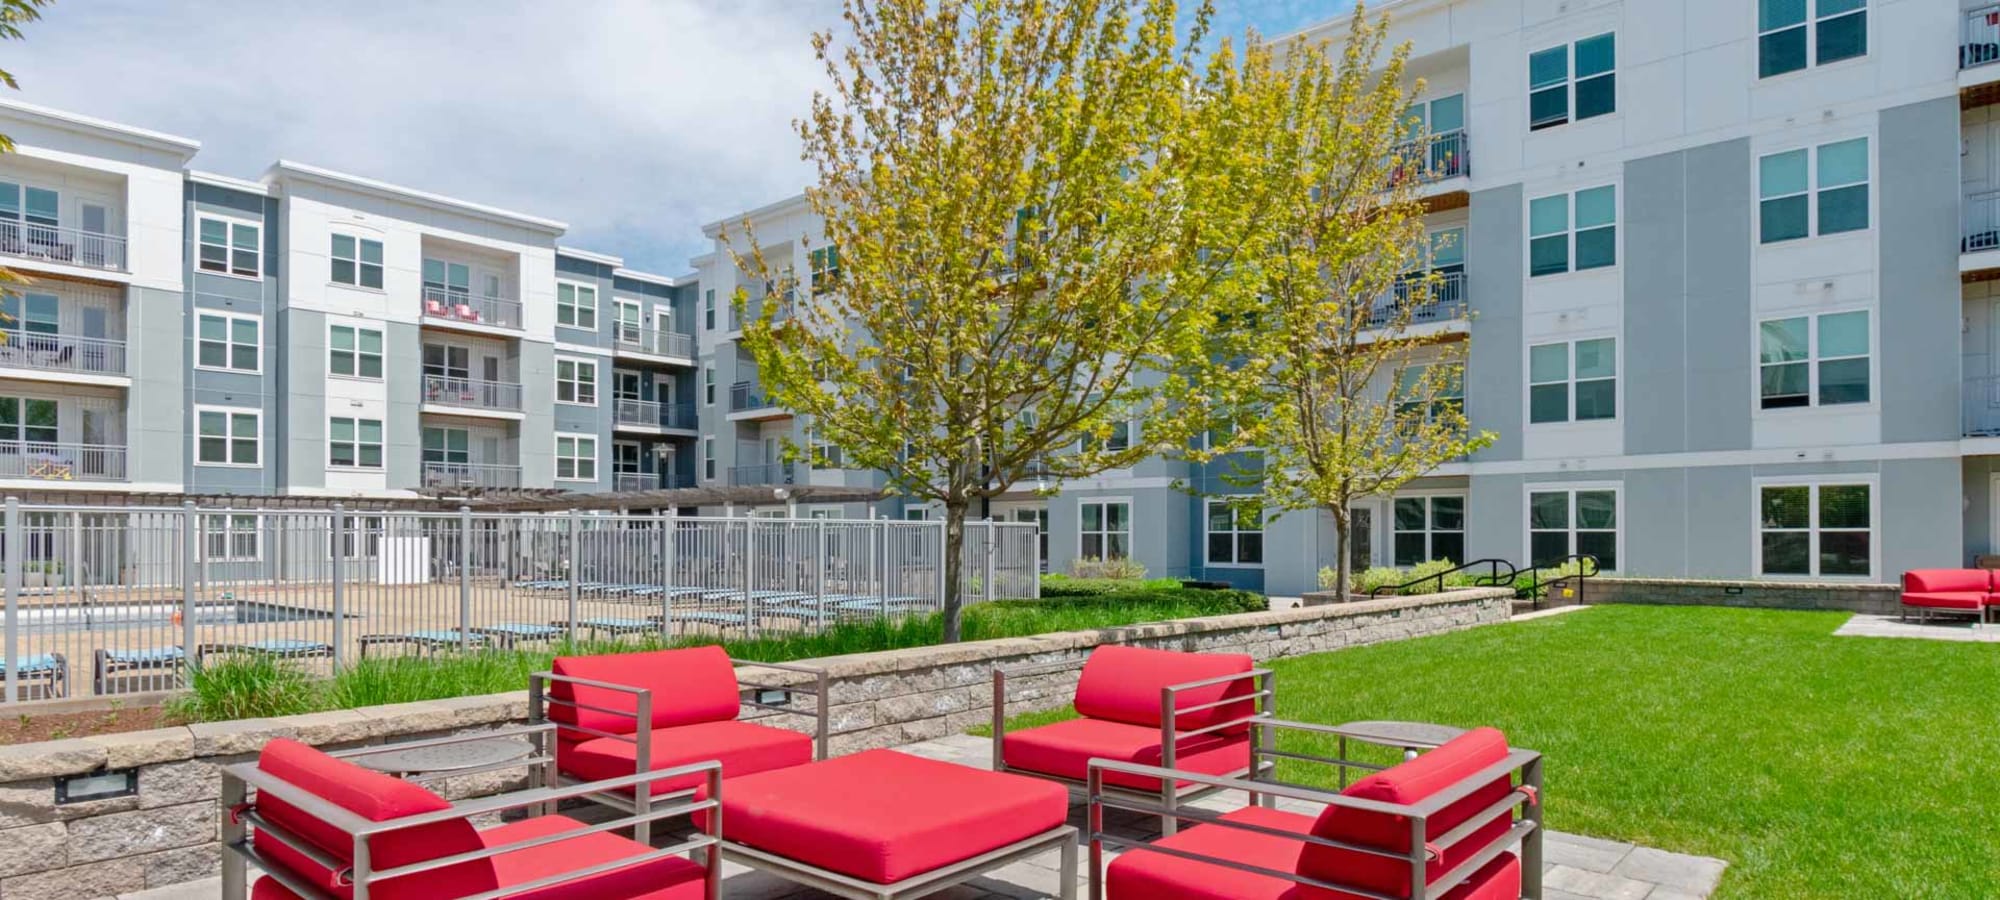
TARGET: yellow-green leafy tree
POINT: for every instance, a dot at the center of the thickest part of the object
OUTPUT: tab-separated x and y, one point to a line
13	15
1343	393
1027	214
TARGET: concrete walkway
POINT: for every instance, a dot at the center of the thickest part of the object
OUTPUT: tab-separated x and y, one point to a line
1579	868
1957	629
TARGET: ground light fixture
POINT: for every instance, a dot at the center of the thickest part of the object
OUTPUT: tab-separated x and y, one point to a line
96	786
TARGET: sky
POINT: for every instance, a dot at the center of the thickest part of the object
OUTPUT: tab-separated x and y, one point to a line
635	121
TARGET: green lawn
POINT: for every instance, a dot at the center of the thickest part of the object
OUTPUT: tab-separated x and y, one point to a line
1817	766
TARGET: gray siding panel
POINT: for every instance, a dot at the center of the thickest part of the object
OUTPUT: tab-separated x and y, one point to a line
1495	523
1493	290
1655	519
304	419
1656	304
538	398
157	433
1919	196
403	436
1718	303
1719	521
1918	528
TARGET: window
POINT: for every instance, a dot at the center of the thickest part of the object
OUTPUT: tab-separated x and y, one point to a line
450	283
1813	360
448	361
227	341
357	261
355	352
31	312
1827	186
28	419
354	443
447	446
43	208
1785	39
708	458
1815	529
825	266
1582	522
576	457
1235	534
576	381
1429	528
1106	529
625	320
227	437
916	514
1553	245
576	305
1594	84
232	538
708	384
226	245
360	537
708	311
1445	398
1585	372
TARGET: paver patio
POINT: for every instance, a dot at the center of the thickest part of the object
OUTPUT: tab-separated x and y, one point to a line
1936	630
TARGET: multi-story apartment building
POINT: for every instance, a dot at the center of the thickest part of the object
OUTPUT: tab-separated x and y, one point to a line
1705	252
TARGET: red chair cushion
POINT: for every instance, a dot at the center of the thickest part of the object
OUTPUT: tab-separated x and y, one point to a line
1947	581
1950	600
671	878
691	685
1409	783
882	816
1065	749
1122	684
377	798
743	748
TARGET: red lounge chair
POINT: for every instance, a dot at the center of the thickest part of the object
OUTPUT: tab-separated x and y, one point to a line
625	713
1966	591
319	827
1122	696
434	309
1460	797
466	312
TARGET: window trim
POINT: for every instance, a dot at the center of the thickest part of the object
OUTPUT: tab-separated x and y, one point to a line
1813	188
230	223
576	289
229	344
1430	498
382	356
229	436
1128	532
358	465
1811	26
1570	231
1812	362
708	457
229	533
1235	533
1570	81
332	234
555	453
596	379
1757	485
1619	513
1570	380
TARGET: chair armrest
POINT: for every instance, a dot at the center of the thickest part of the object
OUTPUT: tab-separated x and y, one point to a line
508	731
1260	700
538	701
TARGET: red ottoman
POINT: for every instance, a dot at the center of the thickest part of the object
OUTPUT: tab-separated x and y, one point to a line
888	824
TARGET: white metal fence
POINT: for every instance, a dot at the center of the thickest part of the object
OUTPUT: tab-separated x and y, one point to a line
103	600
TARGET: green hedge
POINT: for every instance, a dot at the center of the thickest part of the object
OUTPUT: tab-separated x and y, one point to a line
1060	585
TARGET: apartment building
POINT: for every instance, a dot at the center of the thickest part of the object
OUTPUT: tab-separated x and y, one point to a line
1705	253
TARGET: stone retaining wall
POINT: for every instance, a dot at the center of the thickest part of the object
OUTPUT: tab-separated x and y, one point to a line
167	833
1880	599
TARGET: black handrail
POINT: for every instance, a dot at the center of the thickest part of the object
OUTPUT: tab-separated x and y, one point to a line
1535	588
1492	579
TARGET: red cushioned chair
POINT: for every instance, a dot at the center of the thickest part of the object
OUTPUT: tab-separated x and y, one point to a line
318	826
1956	591
620	714
1122	698
1441	825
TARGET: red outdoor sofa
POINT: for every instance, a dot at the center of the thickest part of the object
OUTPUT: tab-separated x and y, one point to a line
1444	824
623	714
1123	698
318	826
1971	592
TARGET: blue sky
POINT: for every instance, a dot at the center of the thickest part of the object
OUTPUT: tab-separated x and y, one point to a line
635	121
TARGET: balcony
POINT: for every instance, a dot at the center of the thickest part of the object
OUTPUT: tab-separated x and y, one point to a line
624	482
1443	301
1445	156
762	474
453	307
647	414
749	399
472	394
630	339
56	243
783	312
61	353
1980	41
52	461
451	475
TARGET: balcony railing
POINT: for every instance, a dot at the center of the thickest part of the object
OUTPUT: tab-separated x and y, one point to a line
648	481
1981	43
470	475
460	306
766	473
783	312
1446	155
75	246
654	415
53	461
1982	223
472	393
61	353
657	343
745	396
1439	301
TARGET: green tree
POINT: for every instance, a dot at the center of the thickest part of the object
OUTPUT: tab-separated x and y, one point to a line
13	15
1339	392
1029	210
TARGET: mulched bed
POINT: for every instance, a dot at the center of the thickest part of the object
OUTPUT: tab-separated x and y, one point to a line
28	727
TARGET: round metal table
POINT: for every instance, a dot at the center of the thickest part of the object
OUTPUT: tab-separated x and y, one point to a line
1410	736
445	758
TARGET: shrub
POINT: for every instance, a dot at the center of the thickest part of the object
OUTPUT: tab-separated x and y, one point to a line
1092	567
247	687
1366	581
1533	584
1057	584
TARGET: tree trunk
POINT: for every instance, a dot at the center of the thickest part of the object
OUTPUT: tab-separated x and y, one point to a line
954	560
1343	569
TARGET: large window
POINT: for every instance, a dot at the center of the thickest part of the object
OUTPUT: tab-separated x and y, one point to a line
227	437
1813	360
576	381
1235	534
1565	522
1573	381
31	312
448	282
1790	32
232	538
1560	242
1815	529
576	306
825	266
1105	529
1583	72
357	261
708	458
227	341
708	310
1429	528
354	352
28	419
225	245
576	457
1415	398
449	446
1808	191
354	443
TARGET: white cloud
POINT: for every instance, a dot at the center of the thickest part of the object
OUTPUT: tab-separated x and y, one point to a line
633	120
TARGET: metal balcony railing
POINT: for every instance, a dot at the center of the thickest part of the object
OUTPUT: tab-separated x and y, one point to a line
1441	301
762	474
61	461
1981	404
783	312
61	353
746	396
1982	222
1980	44
1444	155
90	249
654	415
460	306
648	481
471	475
657	343
472	393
